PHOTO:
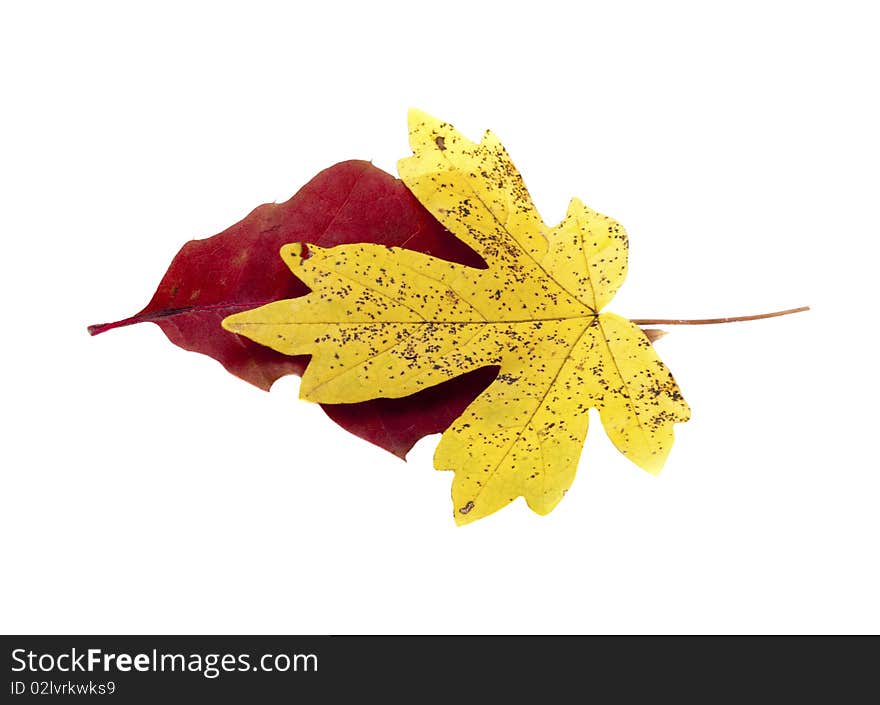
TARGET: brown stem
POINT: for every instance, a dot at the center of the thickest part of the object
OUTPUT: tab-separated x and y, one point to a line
706	321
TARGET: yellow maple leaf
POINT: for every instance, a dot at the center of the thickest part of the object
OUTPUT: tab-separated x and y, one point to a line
388	322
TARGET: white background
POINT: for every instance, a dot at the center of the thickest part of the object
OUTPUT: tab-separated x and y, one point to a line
144	489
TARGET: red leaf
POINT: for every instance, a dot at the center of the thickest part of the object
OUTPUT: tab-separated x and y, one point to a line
240	269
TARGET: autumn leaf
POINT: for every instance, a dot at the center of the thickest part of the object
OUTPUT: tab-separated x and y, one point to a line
239	269
385	322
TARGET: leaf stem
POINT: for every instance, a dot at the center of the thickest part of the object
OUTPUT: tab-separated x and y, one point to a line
707	321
